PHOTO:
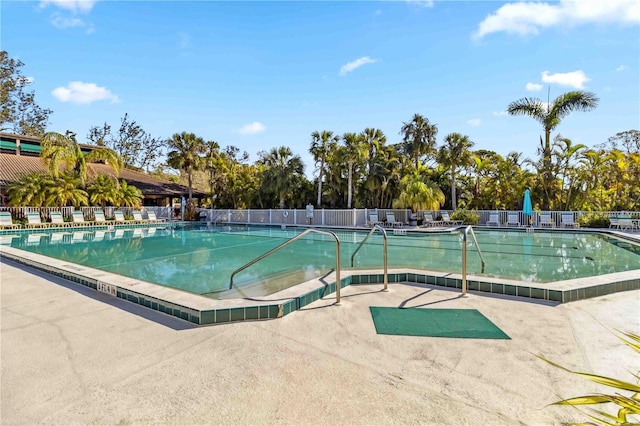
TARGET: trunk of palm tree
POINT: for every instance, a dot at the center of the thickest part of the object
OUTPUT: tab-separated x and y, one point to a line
282	200
349	184
318	204
453	188
189	180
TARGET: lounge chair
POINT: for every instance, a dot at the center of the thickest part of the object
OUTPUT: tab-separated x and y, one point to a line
566	219
151	217
625	222
448	221
429	221
613	221
78	220
513	219
34	221
100	219
137	217
6	222
58	221
119	217
391	220
546	220
373	219
494	219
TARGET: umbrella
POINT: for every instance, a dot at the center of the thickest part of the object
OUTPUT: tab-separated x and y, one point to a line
527	208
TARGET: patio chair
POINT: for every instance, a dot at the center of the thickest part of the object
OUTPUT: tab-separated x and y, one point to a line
546	220
151	217
613	221
57	220
429	221
100	219
447	220
567	220
625	222
137	217
34	221
373	219
513	219
494	219
6	222
391	220
78	219
119	217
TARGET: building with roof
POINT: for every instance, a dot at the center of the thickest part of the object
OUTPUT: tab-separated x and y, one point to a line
20	155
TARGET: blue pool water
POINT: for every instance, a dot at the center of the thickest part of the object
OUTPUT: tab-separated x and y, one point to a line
200	259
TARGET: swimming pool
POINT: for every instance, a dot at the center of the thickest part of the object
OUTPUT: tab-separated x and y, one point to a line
200	259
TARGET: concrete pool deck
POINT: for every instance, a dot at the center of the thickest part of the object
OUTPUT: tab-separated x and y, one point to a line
71	355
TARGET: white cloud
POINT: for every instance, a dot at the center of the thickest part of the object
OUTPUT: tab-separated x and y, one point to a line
528	18
78	92
499	113
71	5
252	129
356	64
421	3
622	68
62	22
574	79
533	87
475	122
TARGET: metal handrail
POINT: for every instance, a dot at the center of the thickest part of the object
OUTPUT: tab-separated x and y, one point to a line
286	243
466	231
384	249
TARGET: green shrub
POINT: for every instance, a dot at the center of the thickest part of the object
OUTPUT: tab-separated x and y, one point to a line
467	217
594	220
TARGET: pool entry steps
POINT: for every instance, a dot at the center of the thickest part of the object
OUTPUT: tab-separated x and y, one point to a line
203	310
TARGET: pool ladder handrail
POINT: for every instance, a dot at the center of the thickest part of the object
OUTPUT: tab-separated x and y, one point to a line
468	230
384	251
286	243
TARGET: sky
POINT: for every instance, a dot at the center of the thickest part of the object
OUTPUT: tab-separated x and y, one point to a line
259	75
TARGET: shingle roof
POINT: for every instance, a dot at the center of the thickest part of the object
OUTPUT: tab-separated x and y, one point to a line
14	166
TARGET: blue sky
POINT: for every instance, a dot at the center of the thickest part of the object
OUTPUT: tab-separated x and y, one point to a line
263	74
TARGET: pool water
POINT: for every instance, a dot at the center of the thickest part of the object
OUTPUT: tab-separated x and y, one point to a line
201	259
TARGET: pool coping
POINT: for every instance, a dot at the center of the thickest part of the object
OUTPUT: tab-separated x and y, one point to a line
202	310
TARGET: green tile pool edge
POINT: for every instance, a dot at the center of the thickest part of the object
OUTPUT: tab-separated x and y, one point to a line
272	311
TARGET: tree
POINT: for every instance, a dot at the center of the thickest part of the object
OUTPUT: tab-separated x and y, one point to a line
354	153
454	153
282	172
550	116
102	190
418	193
128	195
58	149
185	156
136	147
419	137
19	112
29	190
321	144
65	191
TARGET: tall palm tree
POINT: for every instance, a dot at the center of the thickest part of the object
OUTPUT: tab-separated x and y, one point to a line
322	143
419	137
418	193
282	171
355	152
128	195
58	149
550	116
454	153
185	156
214	167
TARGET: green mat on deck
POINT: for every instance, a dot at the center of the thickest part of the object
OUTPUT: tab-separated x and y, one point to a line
462	323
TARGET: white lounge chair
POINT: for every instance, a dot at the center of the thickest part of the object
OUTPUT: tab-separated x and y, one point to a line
613	221
119	217
448	221
78	219
34	221
100	219
391	220
513	219
137	217
494	219
151	217
373	219
58	221
6	222
625	222
567	220
429	221
546	220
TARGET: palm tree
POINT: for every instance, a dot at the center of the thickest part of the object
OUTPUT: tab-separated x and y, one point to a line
102	190
355	152
128	195
214	166
419	137
58	149
322	143
185	156
418	193
282	171
455	152
29	190
550	116
66	190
